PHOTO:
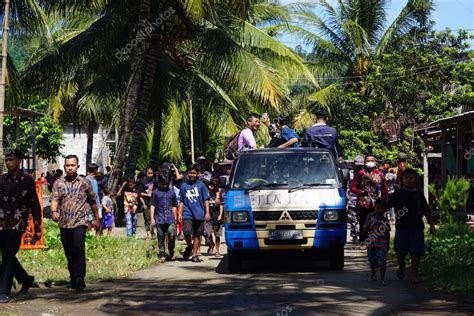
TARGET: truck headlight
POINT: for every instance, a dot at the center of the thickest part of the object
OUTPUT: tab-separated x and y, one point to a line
330	215
240	217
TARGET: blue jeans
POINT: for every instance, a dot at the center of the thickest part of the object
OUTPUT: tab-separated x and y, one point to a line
131	224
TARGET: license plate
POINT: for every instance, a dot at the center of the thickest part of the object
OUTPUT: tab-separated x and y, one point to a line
286	235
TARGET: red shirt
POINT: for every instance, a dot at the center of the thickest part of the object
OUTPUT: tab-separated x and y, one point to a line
369	186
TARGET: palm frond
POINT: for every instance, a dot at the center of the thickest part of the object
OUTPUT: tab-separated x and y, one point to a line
414	12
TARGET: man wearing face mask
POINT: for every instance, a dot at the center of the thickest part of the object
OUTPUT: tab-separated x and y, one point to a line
369	184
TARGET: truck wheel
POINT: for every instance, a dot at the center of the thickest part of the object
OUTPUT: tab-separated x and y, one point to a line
337	258
234	261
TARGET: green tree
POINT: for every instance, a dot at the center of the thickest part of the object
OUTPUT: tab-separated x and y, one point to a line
48	134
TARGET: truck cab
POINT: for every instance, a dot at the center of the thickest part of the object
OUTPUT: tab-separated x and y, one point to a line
285	199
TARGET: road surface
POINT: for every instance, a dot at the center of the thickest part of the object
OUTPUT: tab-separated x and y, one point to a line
272	286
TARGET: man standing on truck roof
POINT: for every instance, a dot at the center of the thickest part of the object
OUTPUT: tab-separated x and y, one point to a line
320	135
247	135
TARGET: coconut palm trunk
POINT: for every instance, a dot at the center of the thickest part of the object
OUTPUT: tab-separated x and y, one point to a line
141	118
131	98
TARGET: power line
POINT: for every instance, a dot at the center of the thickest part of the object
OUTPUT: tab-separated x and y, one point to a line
456	61
388	77
469	29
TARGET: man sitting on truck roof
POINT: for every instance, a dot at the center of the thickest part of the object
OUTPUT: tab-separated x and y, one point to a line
321	135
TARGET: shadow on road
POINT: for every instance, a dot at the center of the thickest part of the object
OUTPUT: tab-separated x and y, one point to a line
292	285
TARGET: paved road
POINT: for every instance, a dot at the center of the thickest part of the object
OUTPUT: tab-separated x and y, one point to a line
272	286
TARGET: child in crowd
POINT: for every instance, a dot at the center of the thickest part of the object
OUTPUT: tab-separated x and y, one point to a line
377	227
130	203
108	212
193	211
410	206
214	226
163	211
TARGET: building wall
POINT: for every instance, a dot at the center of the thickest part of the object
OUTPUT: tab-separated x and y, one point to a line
77	145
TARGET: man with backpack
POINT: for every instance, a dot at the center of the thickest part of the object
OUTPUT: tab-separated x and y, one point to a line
247	135
243	140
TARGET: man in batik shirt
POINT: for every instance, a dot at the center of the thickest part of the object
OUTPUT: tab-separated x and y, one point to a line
73	199
18	199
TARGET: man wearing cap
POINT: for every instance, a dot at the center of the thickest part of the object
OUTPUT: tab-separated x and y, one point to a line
18	200
321	135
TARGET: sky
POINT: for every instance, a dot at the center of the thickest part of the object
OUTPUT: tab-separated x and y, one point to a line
453	14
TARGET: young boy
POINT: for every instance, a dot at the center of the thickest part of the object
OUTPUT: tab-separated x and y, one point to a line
214	226
163	206
410	207
130	202
108	212
193	211
377	227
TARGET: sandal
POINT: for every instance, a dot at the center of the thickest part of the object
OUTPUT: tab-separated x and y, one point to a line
196	259
187	253
162	260
210	249
401	273
217	255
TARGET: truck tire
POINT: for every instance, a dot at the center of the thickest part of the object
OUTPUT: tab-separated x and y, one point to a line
234	261
337	258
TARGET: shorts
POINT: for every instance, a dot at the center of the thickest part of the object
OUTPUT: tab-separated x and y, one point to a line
193	227
377	257
213	228
107	221
409	241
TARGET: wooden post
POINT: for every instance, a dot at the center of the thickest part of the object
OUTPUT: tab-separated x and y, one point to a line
3	76
191	126
459	148
18	136
425	175
33	147
443	156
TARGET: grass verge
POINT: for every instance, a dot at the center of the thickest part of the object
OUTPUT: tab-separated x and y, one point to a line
107	257
449	260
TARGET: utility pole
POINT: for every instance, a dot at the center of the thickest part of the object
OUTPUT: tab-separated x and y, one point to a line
190	102
3	77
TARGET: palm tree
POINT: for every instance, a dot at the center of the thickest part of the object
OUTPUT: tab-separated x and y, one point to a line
215	46
346	40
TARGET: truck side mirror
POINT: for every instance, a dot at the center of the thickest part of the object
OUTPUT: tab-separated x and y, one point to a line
223	181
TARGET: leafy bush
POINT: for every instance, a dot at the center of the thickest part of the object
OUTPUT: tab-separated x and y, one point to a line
451	198
107	257
449	259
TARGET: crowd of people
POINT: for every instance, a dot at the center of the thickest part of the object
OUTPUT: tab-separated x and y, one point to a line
378	192
189	205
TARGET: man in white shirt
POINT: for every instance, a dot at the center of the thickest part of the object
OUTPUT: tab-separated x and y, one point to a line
247	136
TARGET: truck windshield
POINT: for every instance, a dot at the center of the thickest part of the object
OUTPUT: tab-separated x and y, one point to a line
289	170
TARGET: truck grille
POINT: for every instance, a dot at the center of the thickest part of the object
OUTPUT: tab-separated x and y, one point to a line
295	215
267	216
303	215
